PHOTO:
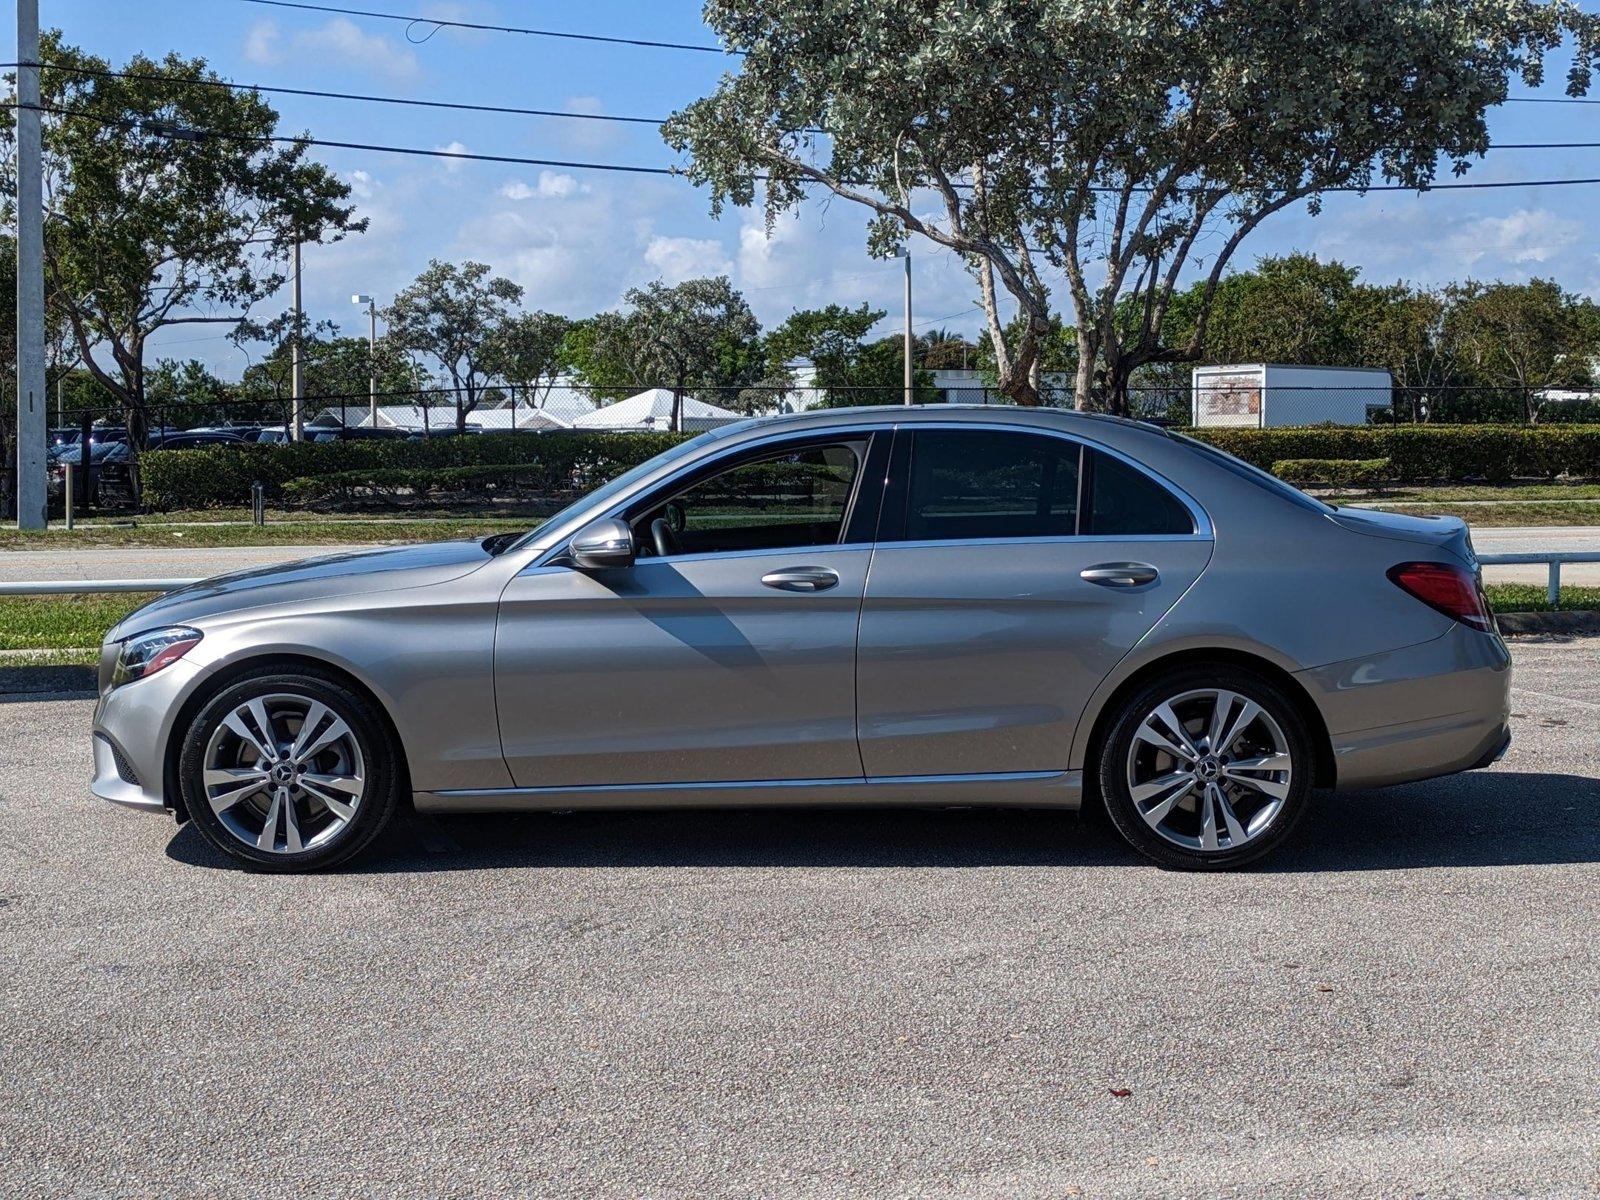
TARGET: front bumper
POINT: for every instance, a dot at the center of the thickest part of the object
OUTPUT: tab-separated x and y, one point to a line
133	726
1425	710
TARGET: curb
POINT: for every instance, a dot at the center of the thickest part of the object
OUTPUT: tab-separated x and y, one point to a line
1573	623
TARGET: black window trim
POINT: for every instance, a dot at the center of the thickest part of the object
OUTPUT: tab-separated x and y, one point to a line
862	509
897	492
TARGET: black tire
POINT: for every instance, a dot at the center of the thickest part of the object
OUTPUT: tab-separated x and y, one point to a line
384	773
1113	766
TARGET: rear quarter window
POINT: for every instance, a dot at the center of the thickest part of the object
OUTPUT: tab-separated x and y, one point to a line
1125	502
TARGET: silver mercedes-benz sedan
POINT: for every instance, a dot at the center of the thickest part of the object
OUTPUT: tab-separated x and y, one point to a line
910	606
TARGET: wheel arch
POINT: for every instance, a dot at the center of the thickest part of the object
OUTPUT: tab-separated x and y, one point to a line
231	671
1323	769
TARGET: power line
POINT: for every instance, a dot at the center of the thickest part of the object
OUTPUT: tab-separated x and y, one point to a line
443	23
325	95
562	114
160	128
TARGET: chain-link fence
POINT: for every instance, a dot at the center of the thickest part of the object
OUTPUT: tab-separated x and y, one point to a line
85	434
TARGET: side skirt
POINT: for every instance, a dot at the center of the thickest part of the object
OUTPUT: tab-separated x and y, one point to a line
1028	789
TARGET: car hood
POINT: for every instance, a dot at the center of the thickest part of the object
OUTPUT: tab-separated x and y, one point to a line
308	579
1444	533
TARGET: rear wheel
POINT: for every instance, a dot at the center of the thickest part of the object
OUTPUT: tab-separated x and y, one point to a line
289	771
1206	768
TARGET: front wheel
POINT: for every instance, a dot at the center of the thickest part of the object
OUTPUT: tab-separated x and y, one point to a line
289	771
1206	768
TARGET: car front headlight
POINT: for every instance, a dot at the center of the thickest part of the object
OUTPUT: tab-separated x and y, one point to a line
144	654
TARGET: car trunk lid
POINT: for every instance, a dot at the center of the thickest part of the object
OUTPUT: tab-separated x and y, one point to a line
1449	534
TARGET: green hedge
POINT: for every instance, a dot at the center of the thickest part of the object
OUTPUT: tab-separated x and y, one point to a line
1427	453
1334	472
221	476
420	482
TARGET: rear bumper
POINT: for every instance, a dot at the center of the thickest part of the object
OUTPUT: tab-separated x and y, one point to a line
1431	709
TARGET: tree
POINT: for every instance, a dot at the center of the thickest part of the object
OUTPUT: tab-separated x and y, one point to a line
1294	309
832	339
1107	138
166	204
186	392
335	371
448	312
528	351
699	335
1525	337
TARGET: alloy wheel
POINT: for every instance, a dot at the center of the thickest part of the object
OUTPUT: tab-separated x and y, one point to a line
284	773
1209	770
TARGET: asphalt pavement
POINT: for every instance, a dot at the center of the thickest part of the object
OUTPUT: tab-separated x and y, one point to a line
1404	1002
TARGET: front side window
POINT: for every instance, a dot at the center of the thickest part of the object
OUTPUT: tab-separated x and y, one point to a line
791	498
990	484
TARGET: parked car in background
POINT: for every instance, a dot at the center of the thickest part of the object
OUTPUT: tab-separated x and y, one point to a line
928	606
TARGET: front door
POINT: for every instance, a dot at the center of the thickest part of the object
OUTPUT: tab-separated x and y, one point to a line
1015	570
725	654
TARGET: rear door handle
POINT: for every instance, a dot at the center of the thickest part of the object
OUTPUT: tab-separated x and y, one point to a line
1120	575
802	579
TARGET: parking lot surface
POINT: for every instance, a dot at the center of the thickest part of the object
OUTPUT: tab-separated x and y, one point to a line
1403	1002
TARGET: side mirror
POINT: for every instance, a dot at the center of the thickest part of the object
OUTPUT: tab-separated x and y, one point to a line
605	543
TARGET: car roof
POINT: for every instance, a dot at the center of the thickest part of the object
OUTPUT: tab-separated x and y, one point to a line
1090	425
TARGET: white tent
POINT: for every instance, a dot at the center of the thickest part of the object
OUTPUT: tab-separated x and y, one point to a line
527	418
653	410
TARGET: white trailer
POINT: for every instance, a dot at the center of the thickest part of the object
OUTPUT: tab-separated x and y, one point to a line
1263	395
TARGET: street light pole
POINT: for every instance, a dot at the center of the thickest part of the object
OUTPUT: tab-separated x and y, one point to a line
31	402
296	395
372	355
908	328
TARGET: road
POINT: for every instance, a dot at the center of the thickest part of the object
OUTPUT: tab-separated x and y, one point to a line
174	562
1406	1002
147	562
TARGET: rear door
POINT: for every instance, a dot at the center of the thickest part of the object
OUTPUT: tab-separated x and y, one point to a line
1014	569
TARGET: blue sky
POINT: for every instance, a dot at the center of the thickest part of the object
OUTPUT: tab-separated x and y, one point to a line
576	240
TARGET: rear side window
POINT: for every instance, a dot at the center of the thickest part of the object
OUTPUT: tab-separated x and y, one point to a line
1124	502
990	484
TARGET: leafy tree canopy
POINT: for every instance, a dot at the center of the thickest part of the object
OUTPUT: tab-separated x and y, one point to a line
165	204
1106	139
449	312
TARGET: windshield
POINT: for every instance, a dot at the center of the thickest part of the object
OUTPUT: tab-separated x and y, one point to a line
1253	474
603	494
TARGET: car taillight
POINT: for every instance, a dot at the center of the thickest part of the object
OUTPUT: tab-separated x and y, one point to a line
1450	589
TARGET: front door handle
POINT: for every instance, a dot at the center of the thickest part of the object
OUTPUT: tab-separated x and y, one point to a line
802	579
1120	575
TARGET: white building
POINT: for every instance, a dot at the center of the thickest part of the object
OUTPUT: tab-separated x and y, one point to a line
652	410
1266	395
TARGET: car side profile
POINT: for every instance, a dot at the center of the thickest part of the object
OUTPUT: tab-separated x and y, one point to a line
912	606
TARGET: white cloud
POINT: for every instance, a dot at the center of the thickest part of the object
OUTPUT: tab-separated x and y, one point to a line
588	135
1413	242
453	164
338	43
680	258
552	185
261	42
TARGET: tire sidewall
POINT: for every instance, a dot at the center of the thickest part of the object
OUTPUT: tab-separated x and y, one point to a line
371	734
1112	772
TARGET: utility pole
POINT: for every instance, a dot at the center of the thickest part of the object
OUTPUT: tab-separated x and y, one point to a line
296	395
31	402
908	326
372	360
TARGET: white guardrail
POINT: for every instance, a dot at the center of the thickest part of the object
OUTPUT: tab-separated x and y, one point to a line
1552	559
68	587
